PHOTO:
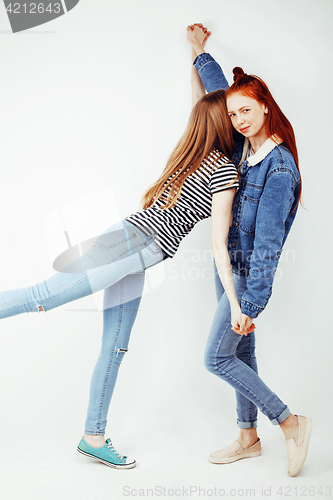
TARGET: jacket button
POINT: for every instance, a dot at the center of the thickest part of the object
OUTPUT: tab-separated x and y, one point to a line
233	245
235	223
243	184
239	203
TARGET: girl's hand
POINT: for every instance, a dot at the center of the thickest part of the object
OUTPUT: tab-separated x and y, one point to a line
246	324
207	33
197	35
242	320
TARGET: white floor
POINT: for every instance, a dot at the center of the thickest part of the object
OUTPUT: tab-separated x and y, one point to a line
169	464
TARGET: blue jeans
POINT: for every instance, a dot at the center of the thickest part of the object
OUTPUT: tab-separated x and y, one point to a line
231	357
119	270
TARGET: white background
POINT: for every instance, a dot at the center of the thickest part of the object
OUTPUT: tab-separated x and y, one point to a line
91	106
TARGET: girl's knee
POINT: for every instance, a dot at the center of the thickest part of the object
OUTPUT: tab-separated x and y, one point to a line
217	362
210	361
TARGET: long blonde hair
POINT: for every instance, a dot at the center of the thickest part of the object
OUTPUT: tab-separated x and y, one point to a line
209	127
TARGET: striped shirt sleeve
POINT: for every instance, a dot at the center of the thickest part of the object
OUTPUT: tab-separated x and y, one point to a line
223	178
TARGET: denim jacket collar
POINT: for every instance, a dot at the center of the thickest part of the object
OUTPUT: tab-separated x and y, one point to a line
263	151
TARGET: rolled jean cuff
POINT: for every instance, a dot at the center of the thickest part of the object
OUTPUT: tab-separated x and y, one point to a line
278	420
95	433
247	425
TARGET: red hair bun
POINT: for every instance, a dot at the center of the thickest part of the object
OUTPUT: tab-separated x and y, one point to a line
238	73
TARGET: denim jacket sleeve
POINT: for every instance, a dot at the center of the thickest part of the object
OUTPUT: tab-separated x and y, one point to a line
210	72
274	207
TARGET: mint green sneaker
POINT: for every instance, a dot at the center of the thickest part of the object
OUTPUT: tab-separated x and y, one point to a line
106	454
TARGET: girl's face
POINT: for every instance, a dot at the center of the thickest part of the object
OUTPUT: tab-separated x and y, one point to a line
247	115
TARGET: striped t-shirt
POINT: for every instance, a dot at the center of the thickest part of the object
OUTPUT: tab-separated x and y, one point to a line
171	225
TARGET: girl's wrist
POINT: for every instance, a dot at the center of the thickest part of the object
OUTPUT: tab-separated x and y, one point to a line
234	304
197	48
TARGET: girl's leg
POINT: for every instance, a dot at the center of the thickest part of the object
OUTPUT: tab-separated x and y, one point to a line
120	310
231	357
247	412
94	274
245	351
121	302
221	359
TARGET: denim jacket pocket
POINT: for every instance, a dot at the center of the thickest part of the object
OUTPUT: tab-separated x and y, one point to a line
249	214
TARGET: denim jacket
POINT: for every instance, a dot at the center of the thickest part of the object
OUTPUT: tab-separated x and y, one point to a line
264	207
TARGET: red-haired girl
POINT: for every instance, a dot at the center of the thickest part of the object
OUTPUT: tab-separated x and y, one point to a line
263	211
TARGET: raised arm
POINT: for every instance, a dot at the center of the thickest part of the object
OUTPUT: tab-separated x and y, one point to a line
210	72
197	36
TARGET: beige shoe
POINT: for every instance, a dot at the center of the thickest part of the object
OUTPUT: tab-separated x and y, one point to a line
297	449
234	452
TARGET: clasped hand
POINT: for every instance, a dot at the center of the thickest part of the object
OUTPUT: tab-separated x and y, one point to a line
240	322
197	33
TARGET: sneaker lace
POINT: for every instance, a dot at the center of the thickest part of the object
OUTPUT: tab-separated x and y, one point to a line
110	447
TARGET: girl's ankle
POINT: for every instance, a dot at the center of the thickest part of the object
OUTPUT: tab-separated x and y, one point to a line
97	441
248	437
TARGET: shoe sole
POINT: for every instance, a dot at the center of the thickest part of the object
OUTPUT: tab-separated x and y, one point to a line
105	462
235	458
305	447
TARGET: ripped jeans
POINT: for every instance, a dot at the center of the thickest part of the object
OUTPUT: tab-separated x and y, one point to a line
115	263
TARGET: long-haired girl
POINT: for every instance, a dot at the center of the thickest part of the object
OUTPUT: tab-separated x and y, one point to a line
197	182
